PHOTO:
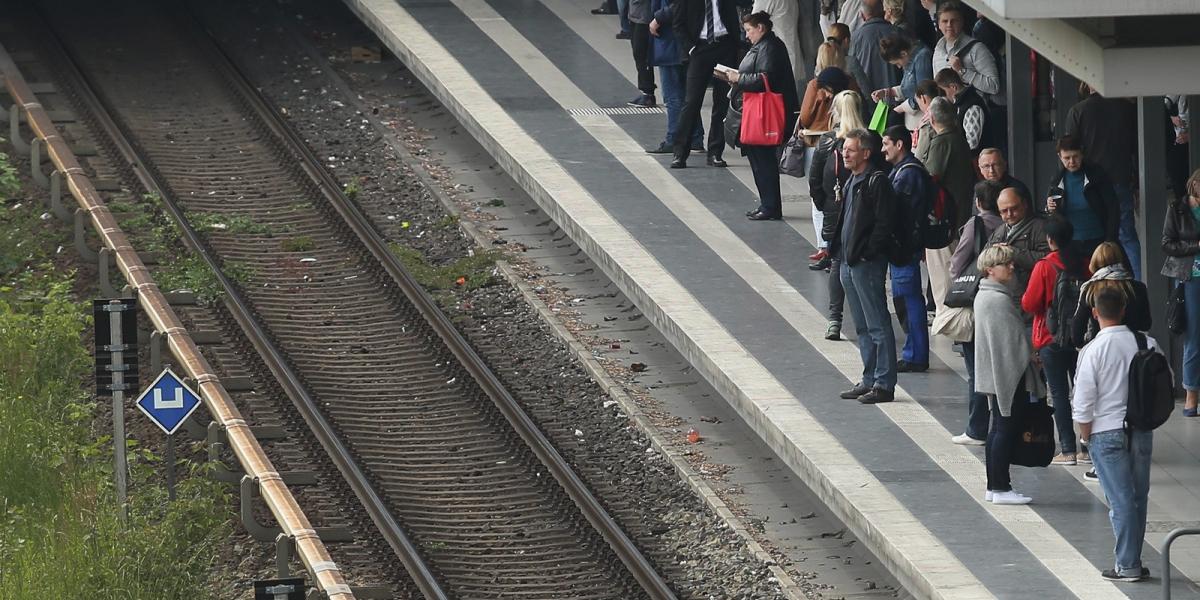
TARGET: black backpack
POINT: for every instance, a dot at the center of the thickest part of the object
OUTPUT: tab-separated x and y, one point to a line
1063	307
1151	388
935	228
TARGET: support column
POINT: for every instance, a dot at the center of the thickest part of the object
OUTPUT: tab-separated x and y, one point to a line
1066	94
1152	207
1020	111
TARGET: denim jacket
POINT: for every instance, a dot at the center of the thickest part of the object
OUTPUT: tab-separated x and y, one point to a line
918	69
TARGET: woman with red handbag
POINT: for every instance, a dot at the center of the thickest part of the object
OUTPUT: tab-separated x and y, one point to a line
769	109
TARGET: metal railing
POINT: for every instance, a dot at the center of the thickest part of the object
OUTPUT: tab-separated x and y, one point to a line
1166	556
326	575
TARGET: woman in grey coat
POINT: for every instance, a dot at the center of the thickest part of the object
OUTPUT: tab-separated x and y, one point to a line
1004	370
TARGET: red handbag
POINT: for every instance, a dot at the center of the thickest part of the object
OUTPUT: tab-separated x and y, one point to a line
762	117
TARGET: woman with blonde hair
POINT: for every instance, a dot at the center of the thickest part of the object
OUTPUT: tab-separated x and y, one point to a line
826	176
1109	271
1004	369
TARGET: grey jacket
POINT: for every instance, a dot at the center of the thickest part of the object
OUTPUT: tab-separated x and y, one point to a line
1002	347
640	12
979	66
1028	239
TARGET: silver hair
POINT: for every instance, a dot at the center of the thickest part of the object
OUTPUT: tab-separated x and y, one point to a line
942	111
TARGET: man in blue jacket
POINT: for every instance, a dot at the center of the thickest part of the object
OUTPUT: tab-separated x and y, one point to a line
672	75
913	187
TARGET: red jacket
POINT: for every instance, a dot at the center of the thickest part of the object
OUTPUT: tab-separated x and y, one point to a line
1040	294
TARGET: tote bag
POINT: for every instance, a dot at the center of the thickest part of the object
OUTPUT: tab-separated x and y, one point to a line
1034	443
762	117
962	288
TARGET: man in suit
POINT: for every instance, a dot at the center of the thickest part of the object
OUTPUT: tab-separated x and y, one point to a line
708	33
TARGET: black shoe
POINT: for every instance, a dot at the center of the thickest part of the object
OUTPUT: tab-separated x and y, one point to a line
762	216
854	392
903	366
698	147
821	265
662	148
603	10
643	101
1112	575
717	161
750	212
622	35
877	396
679	163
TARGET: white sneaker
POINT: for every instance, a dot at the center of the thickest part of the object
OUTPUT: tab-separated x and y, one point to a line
1010	497
965	440
988	495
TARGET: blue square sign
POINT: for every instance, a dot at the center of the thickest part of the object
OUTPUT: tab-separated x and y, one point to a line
168	402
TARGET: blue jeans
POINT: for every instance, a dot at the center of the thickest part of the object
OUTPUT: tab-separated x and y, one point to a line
674	81
1127	231
623	13
872	322
978	413
906	285
1191	342
1123	464
1059	365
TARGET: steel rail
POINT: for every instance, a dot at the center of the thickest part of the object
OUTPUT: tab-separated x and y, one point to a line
638	565
260	339
325	573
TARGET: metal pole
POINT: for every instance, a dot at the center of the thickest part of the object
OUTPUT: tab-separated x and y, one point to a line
120	463
171	467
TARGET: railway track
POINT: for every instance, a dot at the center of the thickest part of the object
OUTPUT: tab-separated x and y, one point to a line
462	485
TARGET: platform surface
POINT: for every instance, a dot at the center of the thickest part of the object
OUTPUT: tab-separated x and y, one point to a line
542	85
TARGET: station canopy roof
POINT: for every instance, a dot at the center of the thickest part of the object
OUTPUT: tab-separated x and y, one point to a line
1120	47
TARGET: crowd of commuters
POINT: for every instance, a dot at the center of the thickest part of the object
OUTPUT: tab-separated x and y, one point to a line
1047	288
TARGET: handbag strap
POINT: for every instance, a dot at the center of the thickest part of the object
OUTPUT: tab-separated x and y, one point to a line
766	84
980	235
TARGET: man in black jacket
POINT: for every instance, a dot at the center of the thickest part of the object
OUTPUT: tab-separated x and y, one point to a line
1083	194
708	33
864	240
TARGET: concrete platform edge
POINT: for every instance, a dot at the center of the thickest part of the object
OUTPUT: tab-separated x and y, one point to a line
895	561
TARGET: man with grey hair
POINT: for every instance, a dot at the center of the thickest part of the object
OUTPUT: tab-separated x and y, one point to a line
994	168
948	160
864	46
864	239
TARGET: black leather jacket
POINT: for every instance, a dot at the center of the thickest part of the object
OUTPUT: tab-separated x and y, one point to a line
1100	194
824	172
769	56
874	208
1180	241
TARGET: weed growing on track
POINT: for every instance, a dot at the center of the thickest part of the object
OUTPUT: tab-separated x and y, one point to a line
61	532
240	224
301	243
475	271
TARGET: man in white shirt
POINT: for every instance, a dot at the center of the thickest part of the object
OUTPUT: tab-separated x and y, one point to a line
1122	459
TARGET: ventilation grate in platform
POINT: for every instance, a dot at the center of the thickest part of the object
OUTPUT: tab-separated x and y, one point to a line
616	110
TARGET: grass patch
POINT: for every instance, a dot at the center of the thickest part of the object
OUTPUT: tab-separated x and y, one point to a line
240	224
61	532
192	273
469	272
352	189
301	243
10	186
447	221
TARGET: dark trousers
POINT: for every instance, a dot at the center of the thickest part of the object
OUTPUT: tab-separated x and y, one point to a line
765	166
837	294
639	38
978	412
998	451
1059	365
705	57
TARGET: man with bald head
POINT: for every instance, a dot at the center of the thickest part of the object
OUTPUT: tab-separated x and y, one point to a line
1024	231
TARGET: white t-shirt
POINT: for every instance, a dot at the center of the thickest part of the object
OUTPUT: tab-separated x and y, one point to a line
1102	378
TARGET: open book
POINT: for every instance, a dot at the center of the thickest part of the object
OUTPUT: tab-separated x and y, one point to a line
726	70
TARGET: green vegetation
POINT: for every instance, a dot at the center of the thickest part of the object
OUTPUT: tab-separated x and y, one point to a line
229	223
192	273
447	221
9	184
301	243
473	271
61	532
352	189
